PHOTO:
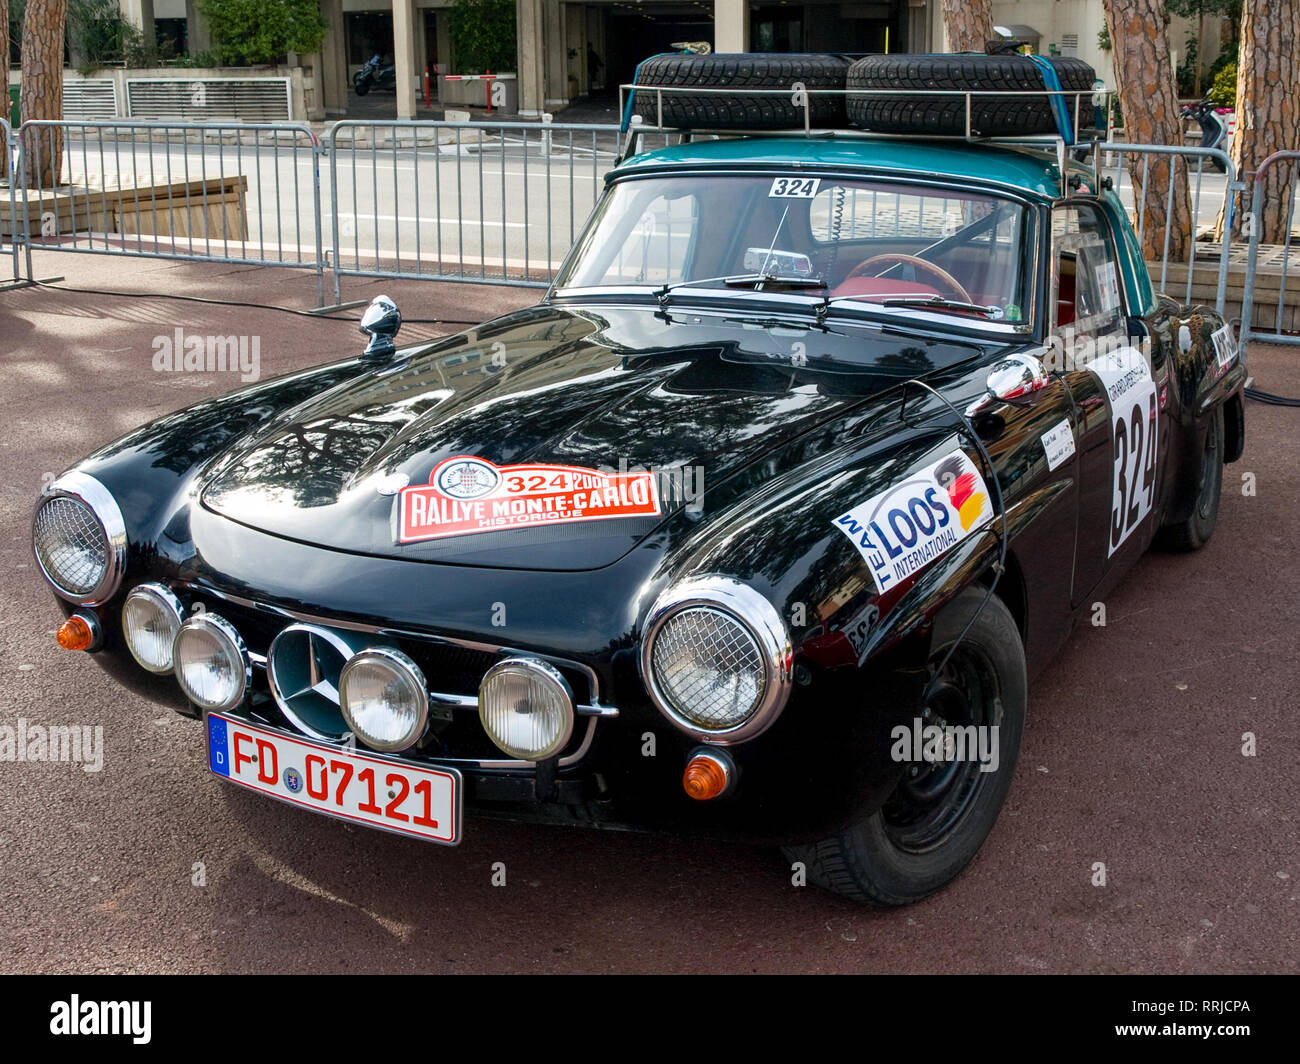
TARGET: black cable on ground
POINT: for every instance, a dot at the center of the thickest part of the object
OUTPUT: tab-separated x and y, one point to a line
240	303
1270	398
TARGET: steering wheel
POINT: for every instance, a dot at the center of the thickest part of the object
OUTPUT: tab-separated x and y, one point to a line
895	258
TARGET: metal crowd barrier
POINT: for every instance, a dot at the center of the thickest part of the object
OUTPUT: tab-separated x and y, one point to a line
1270	173
240	193
12	233
486	202
495	202
1131	184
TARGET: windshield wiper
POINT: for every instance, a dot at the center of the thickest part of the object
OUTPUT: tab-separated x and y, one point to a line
737	280
940	303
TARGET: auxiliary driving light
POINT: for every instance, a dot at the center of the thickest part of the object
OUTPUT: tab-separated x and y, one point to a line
384	699
151	617
526	707
212	665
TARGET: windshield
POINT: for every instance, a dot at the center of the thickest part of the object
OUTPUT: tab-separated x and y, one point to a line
862	241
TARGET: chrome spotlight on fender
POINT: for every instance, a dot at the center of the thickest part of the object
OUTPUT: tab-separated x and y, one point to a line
381	323
1016	378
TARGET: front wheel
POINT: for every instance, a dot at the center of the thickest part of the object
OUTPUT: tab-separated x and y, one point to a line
944	806
362	85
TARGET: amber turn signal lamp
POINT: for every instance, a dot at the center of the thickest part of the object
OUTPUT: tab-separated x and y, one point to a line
75	633
707	776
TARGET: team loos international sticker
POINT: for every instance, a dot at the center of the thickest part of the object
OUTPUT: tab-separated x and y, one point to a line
467	494
902	530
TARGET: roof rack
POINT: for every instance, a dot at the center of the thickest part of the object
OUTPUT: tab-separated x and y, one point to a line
1051	143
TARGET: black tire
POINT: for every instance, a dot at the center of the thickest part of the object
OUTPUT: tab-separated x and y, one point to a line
362	87
890	858
1195	530
742	70
1006	116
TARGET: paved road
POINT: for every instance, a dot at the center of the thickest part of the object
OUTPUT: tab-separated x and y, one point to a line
1132	755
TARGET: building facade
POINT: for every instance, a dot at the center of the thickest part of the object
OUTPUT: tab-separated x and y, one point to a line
568	51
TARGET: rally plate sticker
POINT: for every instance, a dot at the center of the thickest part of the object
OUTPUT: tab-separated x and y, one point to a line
467	494
1134	429
903	529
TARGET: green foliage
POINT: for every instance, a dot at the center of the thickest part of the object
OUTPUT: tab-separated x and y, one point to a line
483	35
1224	90
1186	72
1103	39
246	32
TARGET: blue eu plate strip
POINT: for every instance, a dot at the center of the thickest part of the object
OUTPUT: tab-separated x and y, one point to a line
218	755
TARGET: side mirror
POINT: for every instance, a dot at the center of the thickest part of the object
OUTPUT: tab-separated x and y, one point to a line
381	322
1016	379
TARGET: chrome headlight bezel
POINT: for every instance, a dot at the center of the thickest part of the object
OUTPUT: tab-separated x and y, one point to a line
99	501
546	673
408	670
244	668
167	603
759	618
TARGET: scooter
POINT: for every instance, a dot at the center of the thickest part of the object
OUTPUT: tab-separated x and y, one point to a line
1214	127
374	75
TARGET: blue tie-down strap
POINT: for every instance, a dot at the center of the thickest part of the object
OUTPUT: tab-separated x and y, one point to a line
627	108
1052	83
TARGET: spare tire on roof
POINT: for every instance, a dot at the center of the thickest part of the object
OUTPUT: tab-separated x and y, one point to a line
905	110
741	70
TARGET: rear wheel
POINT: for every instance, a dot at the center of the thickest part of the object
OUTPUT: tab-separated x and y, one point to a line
1194	531
941	812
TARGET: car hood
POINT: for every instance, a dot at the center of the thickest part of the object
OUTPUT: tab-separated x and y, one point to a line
691	397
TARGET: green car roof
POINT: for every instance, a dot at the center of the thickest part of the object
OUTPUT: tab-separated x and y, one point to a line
1029	171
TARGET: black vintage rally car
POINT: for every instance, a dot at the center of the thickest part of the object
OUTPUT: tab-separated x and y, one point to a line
756	526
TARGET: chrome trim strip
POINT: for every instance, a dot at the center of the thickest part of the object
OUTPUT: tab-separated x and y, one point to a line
401	633
100	502
759	617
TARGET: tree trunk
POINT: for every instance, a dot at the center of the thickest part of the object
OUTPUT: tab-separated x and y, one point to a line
1144	75
41	95
1200	55
1268	111
967	24
4	53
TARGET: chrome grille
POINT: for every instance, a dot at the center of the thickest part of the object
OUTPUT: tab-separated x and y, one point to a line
71	546
709	667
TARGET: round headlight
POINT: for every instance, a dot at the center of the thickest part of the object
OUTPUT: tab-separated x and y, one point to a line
716	659
526	707
384	698
151	617
212	665
79	539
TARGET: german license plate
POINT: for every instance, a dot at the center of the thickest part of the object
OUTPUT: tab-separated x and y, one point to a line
378	791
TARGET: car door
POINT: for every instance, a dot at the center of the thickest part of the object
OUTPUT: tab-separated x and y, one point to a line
1112	386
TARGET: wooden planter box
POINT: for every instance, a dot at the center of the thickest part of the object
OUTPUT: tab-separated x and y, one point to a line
202	209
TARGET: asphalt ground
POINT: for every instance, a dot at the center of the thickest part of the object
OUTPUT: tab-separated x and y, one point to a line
1132	758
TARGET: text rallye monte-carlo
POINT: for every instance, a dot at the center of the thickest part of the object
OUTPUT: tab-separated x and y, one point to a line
756	526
